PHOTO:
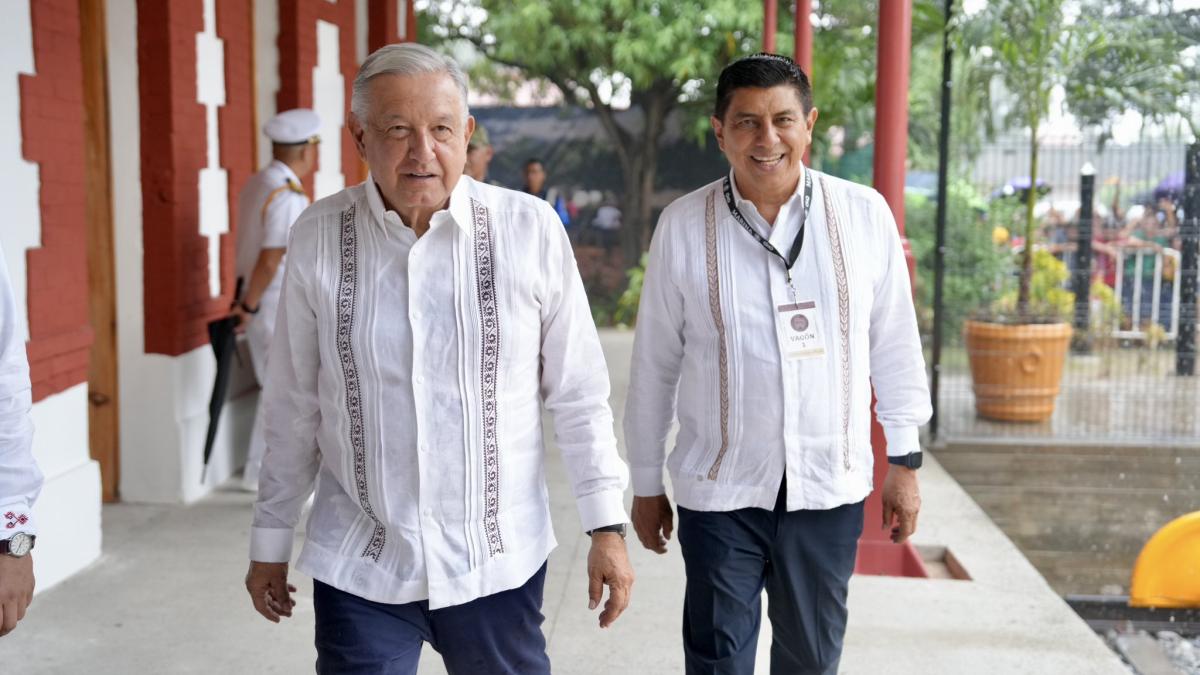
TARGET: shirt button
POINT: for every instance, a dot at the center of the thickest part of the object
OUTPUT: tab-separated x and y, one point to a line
420	379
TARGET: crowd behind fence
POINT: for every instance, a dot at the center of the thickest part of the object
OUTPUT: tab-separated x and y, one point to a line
1111	239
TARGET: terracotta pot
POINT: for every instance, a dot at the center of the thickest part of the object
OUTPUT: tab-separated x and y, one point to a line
1016	369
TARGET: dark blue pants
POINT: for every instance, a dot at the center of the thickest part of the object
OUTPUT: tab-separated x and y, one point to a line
493	635
804	559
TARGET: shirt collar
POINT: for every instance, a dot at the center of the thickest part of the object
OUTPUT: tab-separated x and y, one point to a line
287	171
742	201
459	211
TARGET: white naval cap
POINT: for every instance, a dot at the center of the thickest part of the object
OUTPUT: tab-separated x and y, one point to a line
293	126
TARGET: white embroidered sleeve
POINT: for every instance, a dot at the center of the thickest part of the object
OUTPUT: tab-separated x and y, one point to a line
575	385
655	369
20	478
897	362
291	409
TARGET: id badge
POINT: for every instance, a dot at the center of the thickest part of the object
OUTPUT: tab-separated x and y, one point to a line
799	328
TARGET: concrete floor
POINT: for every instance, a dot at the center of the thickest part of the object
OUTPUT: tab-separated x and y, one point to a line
167	597
1080	514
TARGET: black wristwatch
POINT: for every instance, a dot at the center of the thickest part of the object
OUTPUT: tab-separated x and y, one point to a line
912	460
246	308
619	529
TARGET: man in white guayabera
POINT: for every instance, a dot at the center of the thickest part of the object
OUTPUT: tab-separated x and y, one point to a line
20	478
773	300
425	319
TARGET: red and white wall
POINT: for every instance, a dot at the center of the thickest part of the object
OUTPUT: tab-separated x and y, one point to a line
190	83
45	243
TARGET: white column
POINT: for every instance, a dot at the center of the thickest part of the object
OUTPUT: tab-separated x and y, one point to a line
22	229
266	65
214	182
329	101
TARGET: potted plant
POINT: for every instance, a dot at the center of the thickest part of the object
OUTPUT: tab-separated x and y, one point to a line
1016	351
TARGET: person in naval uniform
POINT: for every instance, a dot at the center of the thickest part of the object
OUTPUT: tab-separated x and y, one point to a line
268	205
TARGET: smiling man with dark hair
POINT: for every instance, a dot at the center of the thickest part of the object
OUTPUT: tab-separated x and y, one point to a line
773	300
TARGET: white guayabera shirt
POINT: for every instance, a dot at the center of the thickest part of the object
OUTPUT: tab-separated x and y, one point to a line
407	379
707	351
20	478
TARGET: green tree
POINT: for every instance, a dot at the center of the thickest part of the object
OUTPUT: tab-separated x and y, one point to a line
662	54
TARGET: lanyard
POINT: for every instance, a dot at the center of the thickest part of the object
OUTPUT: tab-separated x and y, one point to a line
798	244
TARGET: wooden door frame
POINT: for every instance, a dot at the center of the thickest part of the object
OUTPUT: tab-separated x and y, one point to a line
103	411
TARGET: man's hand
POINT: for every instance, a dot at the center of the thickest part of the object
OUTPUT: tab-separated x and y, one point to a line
242	315
608	565
16	590
653	521
901	502
269	589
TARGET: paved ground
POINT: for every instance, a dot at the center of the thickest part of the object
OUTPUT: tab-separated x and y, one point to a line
167	598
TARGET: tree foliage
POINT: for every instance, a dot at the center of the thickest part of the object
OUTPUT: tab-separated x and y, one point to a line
660	55
1108	58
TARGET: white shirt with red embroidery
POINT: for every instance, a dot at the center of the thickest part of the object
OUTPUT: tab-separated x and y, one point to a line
707	352
407	379
20	478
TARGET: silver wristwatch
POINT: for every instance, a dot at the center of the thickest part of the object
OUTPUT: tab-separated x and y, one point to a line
18	546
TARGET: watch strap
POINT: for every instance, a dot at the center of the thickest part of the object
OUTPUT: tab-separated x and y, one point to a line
912	460
618	528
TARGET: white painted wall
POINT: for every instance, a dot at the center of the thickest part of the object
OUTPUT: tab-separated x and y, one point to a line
19	189
164	400
329	101
361	19
266	65
214	181
68	508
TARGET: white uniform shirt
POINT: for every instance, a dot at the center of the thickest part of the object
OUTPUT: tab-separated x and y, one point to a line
270	201
20	479
407	378
706	350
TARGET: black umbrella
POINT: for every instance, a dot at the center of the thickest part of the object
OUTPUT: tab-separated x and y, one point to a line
222	333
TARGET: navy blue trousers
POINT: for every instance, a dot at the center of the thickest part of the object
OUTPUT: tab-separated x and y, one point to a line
803	559
499	634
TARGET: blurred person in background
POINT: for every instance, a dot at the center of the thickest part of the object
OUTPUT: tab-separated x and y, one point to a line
270	201
479	154
535	184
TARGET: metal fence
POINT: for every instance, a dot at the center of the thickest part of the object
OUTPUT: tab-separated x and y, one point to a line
1115	258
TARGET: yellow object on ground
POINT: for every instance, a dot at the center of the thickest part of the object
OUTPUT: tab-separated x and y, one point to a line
1167	571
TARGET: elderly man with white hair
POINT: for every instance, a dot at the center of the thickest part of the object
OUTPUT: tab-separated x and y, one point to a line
424	320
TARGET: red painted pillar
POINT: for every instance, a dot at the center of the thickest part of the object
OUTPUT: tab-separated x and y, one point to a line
383	24
770	24
52	136
410	21
891	102
803	35
876	553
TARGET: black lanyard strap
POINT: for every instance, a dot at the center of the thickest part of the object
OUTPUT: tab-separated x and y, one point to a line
797	244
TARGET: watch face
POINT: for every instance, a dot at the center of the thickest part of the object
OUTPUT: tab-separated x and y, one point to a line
20	544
